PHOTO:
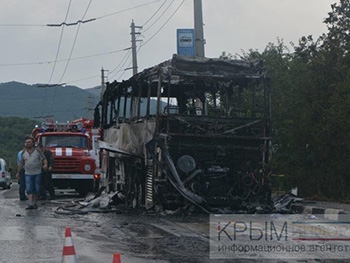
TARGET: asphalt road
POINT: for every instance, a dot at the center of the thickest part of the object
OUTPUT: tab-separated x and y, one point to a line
38	235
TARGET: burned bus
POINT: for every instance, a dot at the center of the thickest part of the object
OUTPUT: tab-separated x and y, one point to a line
189	131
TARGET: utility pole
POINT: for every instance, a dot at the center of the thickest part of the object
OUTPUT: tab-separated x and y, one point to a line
133	47
89	107
103	85
103	101
198	28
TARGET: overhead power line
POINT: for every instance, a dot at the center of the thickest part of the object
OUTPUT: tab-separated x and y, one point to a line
77	80
22	25
62	60
74	42
117	69
131	8
160	16
77	22
72	24
59	43
57	52
163	24
149	19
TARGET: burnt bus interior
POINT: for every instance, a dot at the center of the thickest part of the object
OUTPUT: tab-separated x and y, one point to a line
204	135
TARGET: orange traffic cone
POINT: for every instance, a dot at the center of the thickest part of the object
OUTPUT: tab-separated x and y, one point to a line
68	253
116	258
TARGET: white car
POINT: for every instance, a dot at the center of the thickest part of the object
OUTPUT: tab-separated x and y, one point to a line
5	176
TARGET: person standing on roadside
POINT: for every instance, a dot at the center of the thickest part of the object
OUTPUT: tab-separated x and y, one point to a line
21	179
46	180
33	161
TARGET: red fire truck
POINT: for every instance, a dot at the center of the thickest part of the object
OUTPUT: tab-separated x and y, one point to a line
74	147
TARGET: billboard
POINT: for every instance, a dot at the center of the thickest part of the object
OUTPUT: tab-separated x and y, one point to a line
186	42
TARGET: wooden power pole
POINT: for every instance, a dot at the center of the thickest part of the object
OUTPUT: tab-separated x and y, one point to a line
133	47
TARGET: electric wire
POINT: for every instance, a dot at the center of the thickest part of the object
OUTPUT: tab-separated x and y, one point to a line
79	21
121	65
131	8
118	68
122	72
68	61
63	24
72	49
74	42
163	24
154	13
78	80
22	25
72	24
59	43
73	46
62	60
56	57
159	16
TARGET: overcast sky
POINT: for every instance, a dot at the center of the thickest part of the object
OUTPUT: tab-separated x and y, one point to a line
33	52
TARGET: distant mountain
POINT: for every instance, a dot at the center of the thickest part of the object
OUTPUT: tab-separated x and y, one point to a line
96	91
39	102
60	103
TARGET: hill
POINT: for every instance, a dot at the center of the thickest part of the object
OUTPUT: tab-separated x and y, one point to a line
23	106
61	103
95	91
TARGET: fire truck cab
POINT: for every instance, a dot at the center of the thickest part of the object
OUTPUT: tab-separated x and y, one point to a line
75	161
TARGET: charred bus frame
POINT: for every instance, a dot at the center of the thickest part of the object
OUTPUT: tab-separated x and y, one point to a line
189	131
